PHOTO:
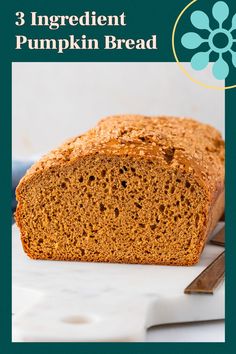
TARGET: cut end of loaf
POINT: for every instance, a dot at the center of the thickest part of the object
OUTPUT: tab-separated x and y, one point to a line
115	210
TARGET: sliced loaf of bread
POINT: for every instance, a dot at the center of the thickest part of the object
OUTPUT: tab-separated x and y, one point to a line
134	189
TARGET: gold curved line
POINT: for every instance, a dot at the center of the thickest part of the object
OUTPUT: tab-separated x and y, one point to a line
182	68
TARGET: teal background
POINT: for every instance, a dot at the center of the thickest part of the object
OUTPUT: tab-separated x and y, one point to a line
144	19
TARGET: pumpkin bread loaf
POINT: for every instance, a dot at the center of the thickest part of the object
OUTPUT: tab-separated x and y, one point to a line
134	189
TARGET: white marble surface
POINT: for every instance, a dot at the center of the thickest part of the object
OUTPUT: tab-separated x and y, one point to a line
209	331
75	301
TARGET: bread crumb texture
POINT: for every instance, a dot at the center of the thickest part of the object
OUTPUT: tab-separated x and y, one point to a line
134	189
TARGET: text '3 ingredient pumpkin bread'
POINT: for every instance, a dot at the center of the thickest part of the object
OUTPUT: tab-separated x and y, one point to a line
134	189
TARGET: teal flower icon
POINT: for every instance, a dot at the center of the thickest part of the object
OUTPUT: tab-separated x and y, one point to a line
192	40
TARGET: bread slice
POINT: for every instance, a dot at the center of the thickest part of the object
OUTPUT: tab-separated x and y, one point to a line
134	189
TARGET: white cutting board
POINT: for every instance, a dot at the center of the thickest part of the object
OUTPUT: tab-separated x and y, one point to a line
74	301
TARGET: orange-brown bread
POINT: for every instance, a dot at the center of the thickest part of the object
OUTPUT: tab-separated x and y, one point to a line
134	189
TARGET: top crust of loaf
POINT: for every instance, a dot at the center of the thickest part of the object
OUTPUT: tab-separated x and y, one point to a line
183	142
